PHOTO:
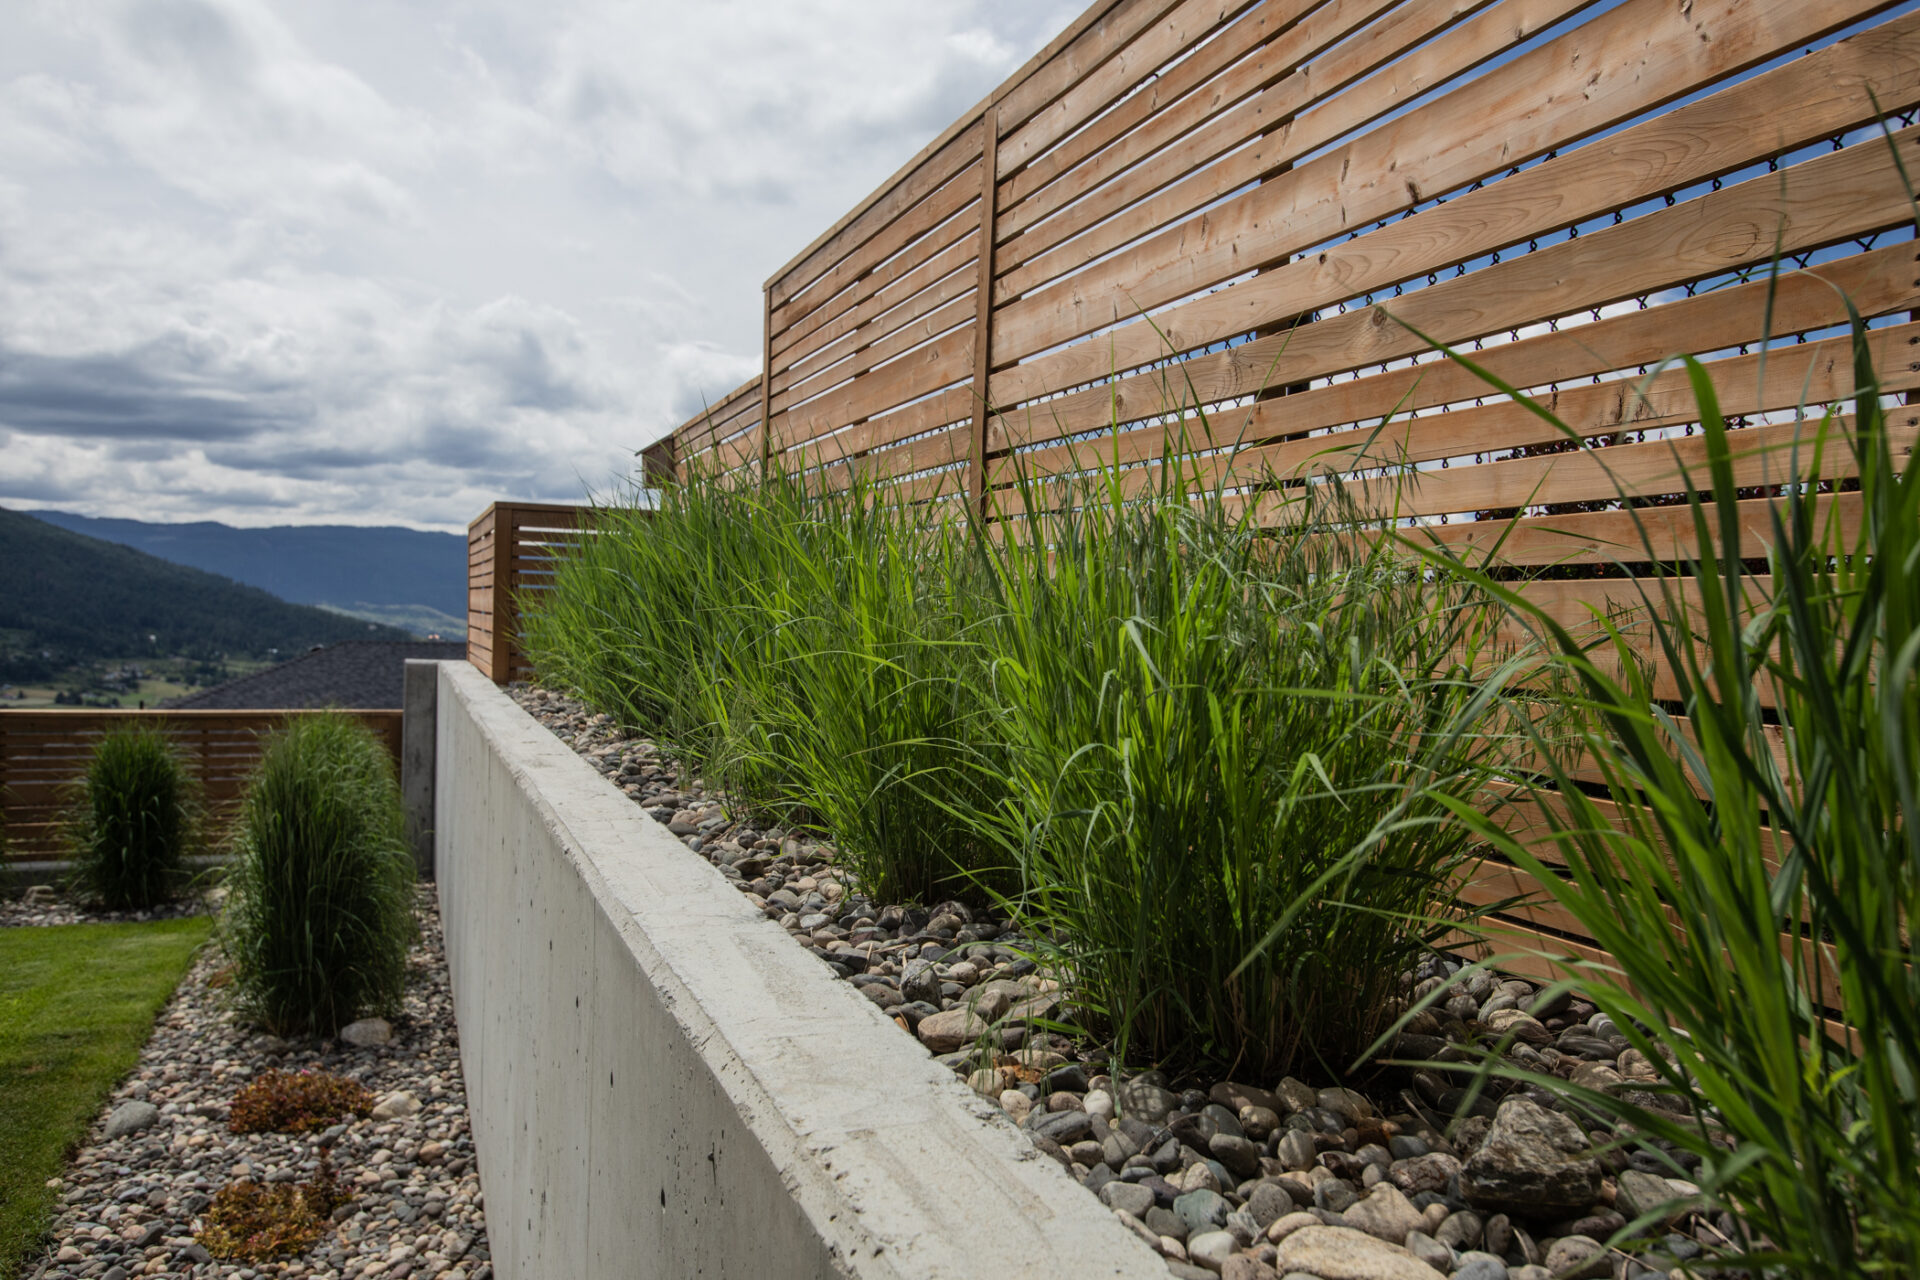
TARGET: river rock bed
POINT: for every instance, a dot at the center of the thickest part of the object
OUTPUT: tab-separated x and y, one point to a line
1415	1182
132	1199
44	904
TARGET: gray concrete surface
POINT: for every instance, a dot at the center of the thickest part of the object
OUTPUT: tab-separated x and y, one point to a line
420	691
664	1085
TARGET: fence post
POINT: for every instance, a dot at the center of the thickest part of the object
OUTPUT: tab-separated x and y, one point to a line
660	462
419	699
483	613
983	309
766	380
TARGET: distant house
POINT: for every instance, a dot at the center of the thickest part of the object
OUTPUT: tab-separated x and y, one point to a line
355	674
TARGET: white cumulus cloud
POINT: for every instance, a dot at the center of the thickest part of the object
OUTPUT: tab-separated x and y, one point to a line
271	262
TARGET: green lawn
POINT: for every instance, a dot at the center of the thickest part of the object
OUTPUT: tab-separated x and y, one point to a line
76	1004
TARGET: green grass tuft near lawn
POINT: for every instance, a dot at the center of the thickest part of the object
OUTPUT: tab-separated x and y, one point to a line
76	1004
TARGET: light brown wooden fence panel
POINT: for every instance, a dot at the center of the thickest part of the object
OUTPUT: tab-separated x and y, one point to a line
1242	224
44	755
511	550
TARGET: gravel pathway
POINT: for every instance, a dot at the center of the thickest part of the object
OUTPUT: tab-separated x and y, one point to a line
1227	1178
131	1202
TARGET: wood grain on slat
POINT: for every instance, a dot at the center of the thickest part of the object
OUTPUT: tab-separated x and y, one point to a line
864	349
941	410
1620	63
1847	193
1597	538
933	363
939	280
939	364
924	265
1812	374
1186	25
1153	103
1878	282
909	191
1687	145
901	237
1076	60
1183	178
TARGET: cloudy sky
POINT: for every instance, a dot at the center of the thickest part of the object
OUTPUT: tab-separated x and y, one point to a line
384	261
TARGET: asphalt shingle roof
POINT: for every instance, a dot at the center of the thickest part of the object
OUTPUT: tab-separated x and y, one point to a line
355	674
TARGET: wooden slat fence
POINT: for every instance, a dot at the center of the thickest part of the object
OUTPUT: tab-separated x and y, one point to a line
44	754
510	553
1242	221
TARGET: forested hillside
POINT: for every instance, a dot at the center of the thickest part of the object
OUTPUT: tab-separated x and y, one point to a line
68	599
341	565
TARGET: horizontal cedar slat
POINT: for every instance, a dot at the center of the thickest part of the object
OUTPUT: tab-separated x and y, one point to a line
1878	282
1154	103
896	293
1613	537
1620	63
1813	374
1847	193
860	352
908	241
1185	177
1079	58
940	410
945	278
927	178
1181	28
944	360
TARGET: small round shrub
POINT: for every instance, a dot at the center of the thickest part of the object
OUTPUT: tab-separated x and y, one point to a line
251	1222
297	1102
136	820
319	911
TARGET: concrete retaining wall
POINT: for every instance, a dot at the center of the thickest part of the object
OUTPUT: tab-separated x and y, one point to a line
663	1084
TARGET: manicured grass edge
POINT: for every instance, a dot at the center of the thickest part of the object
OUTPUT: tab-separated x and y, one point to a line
77	1004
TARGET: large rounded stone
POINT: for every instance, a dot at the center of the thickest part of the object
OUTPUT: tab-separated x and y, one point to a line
1524	1027
1211	1249
1533	1161
132	1117
1241	1157
1385	1214
1128	1197
397	1105
1480	1266
1578	1258
1145	1100
1430	1172
951	1030
1341	1253
1296	1150
1202	1210
1645	1192
367	1033
1267	1202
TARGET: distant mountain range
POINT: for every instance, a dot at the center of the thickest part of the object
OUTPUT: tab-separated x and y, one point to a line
404	577
66	598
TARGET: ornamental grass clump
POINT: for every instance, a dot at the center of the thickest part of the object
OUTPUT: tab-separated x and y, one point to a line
1754	868
319	911
1202	706
1147	726
135	822
811	653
